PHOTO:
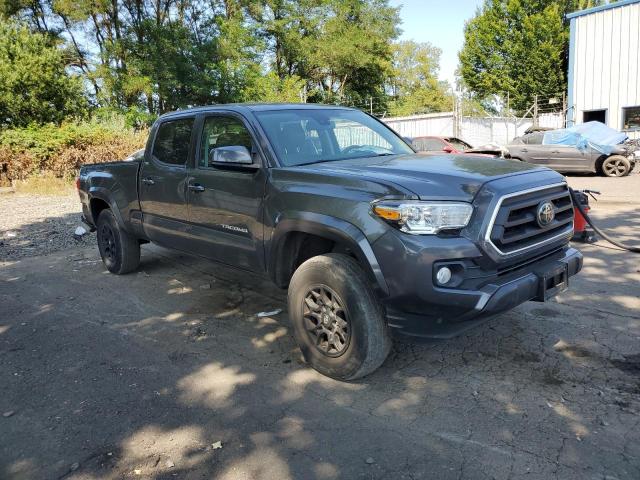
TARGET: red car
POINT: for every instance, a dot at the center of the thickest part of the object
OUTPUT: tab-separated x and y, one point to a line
440	144
434	144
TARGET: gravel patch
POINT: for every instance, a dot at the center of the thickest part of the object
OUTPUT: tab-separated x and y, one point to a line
32	225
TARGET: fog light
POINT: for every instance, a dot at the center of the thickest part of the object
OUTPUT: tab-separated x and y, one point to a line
443	276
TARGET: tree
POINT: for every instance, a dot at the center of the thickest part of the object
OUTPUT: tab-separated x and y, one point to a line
414	82
354	55
162	55
34	84
519	48
341	48
271	88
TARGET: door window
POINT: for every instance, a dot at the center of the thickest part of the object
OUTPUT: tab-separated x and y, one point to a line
222	131
534	138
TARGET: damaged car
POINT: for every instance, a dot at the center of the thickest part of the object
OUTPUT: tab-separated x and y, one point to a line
591	147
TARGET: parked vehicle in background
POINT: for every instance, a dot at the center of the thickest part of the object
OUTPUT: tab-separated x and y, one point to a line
368	236
433	144
440	144
135	156
571	159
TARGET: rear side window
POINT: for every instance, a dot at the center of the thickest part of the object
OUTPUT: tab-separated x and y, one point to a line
173	140
533	138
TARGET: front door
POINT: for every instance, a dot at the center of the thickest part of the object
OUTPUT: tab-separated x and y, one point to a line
163	184
225	201
567	158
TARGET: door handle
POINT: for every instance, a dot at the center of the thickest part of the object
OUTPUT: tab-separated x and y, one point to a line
196	187
555	151
148	181
525	150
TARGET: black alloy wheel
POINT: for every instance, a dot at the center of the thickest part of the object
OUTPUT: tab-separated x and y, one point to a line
326	321
120	250
107	242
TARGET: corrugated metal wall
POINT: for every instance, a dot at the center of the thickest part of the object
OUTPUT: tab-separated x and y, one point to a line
605	54
437	124
475	130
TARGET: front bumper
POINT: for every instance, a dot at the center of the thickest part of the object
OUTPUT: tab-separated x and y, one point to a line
417	308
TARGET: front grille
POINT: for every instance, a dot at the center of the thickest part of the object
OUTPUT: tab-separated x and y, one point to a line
515	227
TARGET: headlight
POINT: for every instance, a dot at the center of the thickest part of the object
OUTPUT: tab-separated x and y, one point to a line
424	218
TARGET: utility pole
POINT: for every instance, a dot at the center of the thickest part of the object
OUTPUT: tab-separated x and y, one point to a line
456	114
371	105
535	110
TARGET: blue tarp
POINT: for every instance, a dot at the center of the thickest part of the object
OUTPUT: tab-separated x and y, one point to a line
591	134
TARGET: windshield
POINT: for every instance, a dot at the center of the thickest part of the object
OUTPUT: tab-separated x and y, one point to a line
306	136
459	144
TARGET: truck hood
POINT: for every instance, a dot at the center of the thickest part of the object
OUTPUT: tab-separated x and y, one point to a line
433	177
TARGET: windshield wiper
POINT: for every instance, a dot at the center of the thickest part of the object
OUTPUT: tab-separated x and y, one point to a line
324	160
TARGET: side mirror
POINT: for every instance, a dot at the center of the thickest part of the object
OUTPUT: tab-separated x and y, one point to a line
235	154
448	149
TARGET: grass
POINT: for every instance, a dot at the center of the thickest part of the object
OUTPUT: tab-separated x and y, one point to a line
45	184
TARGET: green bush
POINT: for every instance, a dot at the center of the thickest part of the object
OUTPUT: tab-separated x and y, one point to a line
60	150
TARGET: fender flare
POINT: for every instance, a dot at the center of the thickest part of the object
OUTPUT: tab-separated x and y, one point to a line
103	194
330	228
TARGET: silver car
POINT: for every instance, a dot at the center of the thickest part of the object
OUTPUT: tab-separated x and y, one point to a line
568	158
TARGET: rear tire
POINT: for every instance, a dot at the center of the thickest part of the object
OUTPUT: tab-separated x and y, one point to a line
120	251
616	166
337	320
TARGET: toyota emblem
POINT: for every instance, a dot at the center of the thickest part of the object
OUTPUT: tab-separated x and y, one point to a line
545	214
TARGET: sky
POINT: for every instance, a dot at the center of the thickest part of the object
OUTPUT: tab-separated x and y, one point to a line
439	22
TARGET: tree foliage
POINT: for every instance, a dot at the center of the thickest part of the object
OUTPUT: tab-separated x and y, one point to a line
518	48
34	86
414	80
162	55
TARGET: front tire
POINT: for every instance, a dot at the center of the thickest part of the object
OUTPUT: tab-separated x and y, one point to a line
337	320
616	166
120	251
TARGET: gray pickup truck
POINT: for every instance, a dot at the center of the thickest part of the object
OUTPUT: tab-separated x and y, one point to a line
369	237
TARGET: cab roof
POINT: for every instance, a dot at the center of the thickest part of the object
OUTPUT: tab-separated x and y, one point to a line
254	107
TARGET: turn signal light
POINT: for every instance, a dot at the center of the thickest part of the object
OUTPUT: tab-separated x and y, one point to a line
387	213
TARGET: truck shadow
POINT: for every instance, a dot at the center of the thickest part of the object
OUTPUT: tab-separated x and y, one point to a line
141	376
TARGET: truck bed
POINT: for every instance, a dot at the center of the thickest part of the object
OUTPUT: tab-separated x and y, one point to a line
114	182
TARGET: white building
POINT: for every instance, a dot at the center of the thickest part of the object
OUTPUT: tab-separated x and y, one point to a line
604	72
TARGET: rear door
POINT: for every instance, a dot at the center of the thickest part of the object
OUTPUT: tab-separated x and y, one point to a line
163	183
225	201
531	149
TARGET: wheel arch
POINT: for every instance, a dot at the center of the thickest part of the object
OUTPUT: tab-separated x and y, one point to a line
598	163
99	199
286	248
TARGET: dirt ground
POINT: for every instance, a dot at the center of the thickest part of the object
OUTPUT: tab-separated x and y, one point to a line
141	376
